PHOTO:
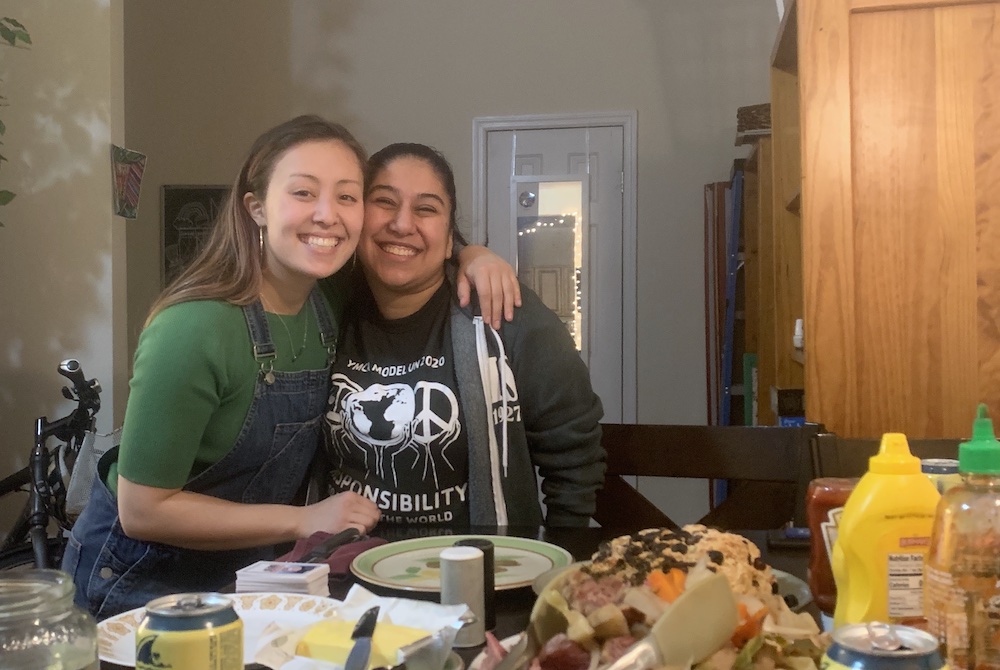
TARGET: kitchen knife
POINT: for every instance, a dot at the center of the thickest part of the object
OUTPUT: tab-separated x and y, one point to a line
322	551
362	636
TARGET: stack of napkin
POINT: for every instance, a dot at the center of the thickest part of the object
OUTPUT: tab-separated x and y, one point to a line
282	577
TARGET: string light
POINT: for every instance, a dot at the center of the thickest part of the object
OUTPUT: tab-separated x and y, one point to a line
563	221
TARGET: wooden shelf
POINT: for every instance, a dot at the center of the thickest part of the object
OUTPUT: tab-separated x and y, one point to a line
799	356
750	162
794	203
751	136
785	55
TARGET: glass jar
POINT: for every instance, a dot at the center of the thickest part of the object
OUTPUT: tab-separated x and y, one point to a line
40	627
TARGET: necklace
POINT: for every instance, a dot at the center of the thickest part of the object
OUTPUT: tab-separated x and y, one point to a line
281	319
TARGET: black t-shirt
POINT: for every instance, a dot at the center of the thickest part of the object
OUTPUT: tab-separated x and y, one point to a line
395	418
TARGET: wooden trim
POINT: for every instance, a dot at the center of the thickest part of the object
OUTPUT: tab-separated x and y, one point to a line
827	206
785	53
892	5
765	285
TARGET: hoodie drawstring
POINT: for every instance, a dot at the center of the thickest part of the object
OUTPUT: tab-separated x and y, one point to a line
489	393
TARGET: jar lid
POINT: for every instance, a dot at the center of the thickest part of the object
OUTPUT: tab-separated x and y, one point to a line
939	466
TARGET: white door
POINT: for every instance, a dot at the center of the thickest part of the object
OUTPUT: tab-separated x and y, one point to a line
554	207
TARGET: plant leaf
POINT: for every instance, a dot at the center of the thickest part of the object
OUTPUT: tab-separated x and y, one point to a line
7	34
14	22
3	128
6	197
2	158
23	36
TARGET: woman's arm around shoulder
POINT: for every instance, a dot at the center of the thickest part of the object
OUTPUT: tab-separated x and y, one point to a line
494	280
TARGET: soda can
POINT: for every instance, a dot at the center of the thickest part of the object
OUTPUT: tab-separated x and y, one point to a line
942	471
193	631
881	646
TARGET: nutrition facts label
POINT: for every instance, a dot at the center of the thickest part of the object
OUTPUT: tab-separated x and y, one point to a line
906	584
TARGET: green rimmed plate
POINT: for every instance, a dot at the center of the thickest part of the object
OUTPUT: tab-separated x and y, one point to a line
412	565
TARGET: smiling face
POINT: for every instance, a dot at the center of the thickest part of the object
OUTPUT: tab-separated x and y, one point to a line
312	213
407	235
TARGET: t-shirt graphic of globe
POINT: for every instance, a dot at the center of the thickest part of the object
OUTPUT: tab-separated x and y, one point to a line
382	414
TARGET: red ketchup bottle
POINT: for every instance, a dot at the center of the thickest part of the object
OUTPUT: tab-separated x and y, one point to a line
825	500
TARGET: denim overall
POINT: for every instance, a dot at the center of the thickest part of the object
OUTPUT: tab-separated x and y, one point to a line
268	464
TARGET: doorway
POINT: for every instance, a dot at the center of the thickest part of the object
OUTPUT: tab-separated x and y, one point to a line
555	196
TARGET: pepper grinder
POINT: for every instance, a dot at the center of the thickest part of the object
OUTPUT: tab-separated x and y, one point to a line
489	584
462	584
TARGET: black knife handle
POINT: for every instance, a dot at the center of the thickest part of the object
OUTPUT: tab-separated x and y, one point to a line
322	551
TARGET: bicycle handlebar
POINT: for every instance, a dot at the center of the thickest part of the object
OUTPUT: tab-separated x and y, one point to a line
87	394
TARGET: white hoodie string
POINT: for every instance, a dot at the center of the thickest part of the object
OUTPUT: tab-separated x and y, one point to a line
502	364
482	354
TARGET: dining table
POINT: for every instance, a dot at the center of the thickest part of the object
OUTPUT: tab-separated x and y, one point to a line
513	607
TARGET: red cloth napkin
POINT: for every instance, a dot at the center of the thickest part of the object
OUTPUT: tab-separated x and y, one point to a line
340	560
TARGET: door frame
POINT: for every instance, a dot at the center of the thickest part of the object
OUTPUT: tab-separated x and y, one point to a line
483	125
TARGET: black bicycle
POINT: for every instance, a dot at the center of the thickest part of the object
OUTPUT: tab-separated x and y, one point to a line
48	475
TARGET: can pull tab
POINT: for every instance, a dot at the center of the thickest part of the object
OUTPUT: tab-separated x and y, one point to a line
883	636
189	603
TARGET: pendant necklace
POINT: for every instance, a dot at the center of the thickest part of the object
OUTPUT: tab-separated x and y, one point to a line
305	330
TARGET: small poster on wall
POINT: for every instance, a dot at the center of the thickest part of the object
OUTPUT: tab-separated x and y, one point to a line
127	167
188	214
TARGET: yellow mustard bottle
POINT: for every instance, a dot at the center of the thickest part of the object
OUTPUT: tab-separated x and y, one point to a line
883	539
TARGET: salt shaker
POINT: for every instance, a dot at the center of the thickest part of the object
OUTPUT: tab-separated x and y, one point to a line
489	584
462	583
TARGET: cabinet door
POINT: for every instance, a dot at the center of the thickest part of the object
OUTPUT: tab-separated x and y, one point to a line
900	116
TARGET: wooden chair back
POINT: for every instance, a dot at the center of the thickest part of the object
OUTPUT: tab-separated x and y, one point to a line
848	457
771	466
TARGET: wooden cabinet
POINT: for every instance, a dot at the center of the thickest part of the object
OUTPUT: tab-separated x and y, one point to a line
772	228
900	213
786	195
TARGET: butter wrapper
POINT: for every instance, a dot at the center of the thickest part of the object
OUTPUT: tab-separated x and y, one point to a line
276	648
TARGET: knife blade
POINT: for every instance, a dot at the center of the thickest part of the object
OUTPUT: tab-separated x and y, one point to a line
357	659
322	551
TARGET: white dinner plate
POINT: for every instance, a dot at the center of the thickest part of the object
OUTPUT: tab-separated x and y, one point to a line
790	585
412	565
116	635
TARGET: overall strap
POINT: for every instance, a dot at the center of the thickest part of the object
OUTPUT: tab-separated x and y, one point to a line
264	351
327	328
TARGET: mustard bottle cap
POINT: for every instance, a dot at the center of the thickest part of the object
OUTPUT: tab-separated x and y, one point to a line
981	454
894	457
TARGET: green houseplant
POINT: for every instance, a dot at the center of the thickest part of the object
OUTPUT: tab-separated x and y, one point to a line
13	34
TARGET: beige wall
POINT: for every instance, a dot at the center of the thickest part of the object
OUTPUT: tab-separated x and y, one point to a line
62	270
202	79
421	71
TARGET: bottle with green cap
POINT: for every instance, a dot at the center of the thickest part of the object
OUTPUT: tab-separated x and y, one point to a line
962	586
883	538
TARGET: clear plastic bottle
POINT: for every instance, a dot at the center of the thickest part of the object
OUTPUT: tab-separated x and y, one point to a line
40	628
883	538
963	566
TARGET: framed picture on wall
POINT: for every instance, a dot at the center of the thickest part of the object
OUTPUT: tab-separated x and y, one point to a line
186	217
